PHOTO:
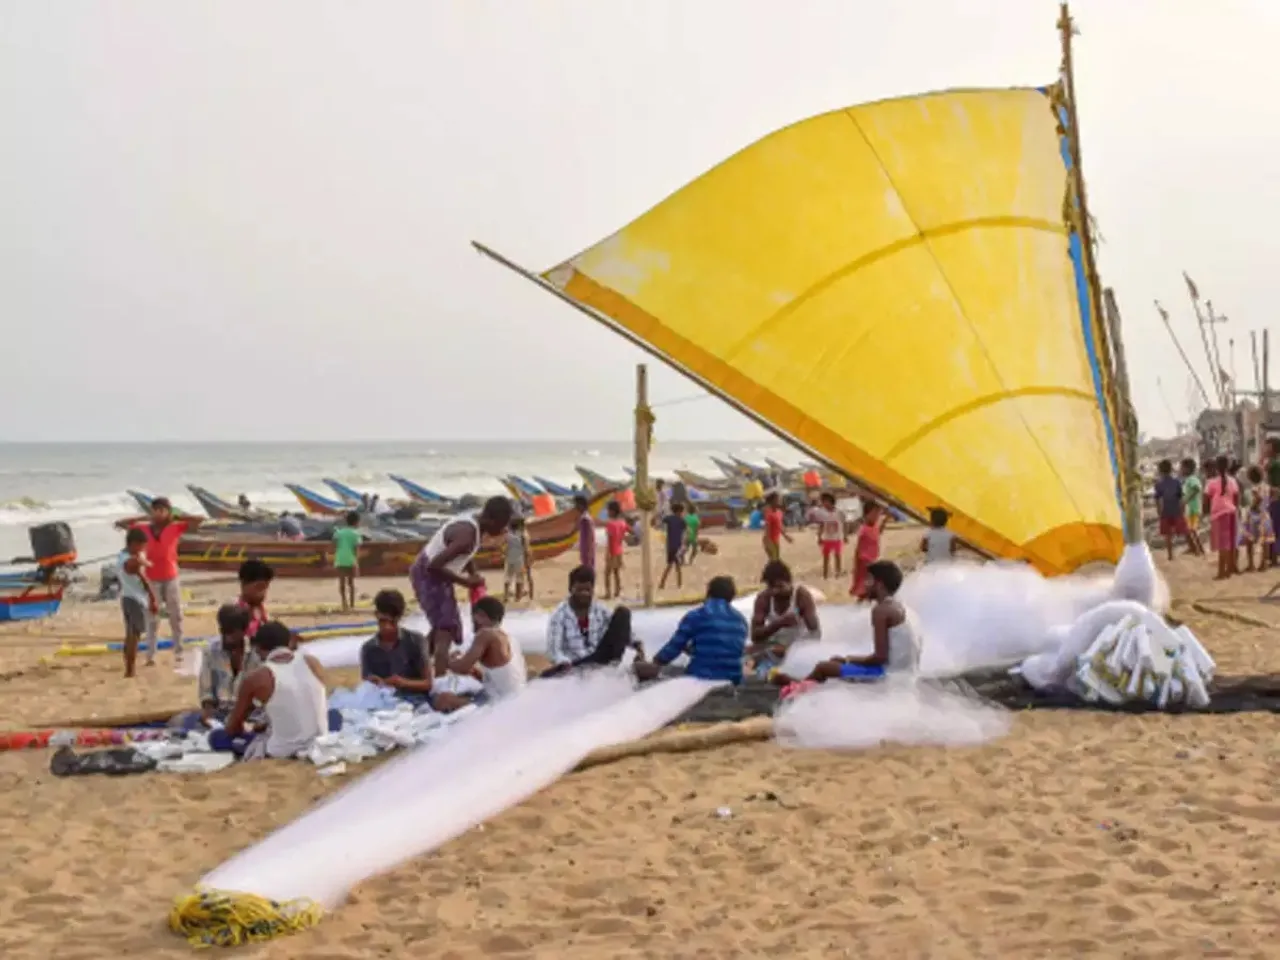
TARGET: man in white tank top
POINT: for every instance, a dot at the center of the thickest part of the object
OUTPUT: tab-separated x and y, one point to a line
784	612
893	628
499	661
289	687
448	561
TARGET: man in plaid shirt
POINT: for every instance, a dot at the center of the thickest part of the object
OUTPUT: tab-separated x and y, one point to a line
582	631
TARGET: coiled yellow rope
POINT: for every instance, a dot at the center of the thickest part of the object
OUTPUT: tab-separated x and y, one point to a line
222	918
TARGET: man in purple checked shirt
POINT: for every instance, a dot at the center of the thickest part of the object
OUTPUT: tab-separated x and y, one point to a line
586	533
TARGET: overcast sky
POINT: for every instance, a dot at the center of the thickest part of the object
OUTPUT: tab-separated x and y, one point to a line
251	220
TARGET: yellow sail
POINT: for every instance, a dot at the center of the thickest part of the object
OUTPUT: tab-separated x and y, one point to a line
895	286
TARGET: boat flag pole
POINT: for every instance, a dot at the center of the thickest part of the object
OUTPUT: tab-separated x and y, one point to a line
1111	346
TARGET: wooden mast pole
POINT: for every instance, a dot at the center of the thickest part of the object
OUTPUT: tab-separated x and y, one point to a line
1186	361
1112	346
1130	483
644	491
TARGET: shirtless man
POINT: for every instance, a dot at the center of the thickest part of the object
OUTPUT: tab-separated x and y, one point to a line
448	561
500	662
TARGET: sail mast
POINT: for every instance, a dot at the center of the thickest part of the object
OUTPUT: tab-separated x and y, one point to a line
1104	309
1195	377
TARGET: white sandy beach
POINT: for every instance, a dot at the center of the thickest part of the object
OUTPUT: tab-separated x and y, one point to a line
1079	834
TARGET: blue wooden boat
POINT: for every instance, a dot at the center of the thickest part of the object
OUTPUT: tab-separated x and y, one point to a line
33	590
418	493
314	503
524	486
553	488
25	597
348	495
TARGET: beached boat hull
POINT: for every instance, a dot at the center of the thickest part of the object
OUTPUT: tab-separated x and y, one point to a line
548	536
29	602
709	484
216	507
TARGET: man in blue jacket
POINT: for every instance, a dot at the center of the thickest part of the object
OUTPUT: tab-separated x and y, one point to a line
714	635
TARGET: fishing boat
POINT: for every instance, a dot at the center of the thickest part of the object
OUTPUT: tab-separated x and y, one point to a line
520	489
33	589
349	496
218	508
143	500
594	481
716	485
946	230
28	599
548	537
557	490
315	504
420	494
735	469
753	470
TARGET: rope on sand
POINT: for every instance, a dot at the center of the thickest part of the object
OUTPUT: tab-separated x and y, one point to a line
304	634
1212	611
221	918
686	740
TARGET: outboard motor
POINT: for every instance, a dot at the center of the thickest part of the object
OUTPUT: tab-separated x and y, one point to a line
52	545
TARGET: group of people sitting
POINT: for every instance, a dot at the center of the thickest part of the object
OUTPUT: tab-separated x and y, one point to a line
722	644
263	696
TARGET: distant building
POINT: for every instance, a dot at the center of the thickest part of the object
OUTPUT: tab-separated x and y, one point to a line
1219	432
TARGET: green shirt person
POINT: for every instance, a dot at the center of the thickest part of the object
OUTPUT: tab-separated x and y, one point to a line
346	558
692	523
346	547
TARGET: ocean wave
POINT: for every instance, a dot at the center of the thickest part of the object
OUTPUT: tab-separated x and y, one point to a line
25	511
23	503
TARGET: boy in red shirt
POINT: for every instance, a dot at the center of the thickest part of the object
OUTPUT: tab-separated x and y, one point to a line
163	533
616	530
867	550
774	533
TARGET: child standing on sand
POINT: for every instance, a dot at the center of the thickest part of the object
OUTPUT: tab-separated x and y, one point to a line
1170	506
1257	523
774	533
692	525
137	600
867	550
1193	504
831	533
616	530
673	524
516	567
346	558
938	544
1223	495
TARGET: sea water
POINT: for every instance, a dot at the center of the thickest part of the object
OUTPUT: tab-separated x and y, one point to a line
84	484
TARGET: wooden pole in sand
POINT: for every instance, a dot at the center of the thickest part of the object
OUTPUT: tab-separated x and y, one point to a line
644	492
